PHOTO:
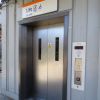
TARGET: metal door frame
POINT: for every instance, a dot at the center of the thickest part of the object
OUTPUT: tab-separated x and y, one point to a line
24	31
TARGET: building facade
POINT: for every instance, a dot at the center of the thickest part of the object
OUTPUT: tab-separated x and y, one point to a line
81	19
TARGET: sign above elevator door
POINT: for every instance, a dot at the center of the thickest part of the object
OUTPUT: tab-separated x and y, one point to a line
38	7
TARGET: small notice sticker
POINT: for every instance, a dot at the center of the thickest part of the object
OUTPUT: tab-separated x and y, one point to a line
49	45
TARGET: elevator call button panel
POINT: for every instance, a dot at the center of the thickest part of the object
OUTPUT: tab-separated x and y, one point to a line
78	65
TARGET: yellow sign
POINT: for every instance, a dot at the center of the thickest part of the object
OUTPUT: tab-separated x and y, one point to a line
49	45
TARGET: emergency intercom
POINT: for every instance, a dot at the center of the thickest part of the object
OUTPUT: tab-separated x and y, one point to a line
78	65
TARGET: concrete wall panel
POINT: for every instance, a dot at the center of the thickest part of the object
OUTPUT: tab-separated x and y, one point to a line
92	50
86	29
4	49
11	49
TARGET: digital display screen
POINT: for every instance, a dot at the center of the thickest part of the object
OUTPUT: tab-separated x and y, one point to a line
79	47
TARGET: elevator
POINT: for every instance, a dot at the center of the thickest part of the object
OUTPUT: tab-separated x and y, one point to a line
43	59
48	61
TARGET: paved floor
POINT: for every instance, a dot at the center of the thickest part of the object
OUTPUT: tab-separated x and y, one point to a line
2	97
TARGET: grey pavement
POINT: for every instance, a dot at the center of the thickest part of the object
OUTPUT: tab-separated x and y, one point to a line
2	97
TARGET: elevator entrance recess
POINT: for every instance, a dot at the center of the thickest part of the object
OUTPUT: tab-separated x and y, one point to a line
48	62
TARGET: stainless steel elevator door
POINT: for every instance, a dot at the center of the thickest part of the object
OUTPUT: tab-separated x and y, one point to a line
55	61
40	63
48	62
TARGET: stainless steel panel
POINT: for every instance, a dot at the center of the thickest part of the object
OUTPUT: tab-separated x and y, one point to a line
40	65
55	68
48	72
26	62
